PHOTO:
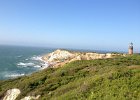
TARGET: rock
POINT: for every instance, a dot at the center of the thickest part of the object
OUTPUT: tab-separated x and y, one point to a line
61	57
58	56
31	98
108	55
11	94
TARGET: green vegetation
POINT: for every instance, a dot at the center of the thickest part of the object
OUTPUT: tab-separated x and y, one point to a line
107	79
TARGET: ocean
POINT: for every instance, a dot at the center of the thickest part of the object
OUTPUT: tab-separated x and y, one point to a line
17	61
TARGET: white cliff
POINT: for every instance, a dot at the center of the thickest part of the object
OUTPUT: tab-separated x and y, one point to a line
60	57
11	94
31	98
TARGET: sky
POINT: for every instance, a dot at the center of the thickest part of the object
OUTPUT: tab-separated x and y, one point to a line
79	24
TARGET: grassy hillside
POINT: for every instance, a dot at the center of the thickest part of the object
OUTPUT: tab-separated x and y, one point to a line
108	79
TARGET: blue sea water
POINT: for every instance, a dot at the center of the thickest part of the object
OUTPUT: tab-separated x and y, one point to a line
18	61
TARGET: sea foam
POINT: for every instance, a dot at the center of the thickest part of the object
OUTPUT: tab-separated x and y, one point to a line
25	64
12	74
38	58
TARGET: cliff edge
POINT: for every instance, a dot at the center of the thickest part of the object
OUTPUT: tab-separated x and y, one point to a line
61	57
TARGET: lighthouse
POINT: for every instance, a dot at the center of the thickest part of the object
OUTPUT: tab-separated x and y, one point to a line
130	50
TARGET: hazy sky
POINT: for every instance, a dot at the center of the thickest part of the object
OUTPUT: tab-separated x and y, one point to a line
87	24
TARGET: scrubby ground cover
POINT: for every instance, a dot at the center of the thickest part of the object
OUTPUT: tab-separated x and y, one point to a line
107	79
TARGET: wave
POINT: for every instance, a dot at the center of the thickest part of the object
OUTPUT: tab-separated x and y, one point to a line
12	75
35	62
19	56
42	66
25	64
38	58
39	65
45	64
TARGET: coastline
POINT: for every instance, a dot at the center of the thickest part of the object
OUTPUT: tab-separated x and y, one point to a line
86	68
60	57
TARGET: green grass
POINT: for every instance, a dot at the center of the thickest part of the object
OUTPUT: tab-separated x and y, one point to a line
107	79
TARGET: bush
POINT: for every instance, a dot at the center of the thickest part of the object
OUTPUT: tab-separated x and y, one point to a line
79	80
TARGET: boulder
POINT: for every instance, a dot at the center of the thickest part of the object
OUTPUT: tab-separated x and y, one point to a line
31	98
11	94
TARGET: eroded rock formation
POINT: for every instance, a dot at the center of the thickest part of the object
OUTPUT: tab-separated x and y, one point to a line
60	57
11	94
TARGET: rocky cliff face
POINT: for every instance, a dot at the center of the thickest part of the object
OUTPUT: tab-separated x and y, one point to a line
12	94
60	57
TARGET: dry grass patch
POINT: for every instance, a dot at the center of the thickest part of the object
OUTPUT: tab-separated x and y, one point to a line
134	67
